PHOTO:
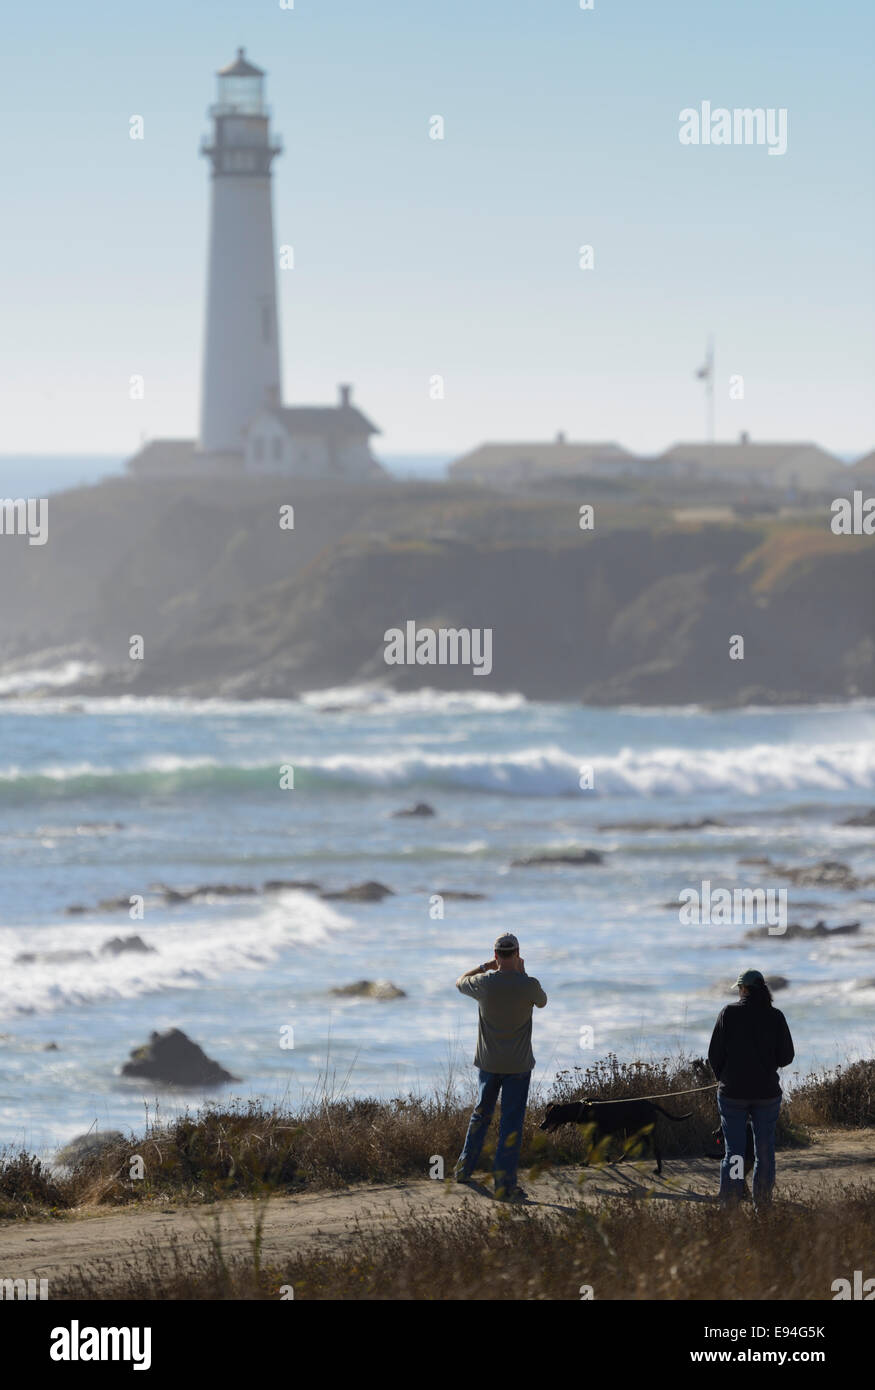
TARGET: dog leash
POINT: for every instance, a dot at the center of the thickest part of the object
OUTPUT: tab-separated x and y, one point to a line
666	1095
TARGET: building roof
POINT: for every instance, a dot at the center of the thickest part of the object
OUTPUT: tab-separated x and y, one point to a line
241	67
746	455
864	467
322	419
162	455
556	456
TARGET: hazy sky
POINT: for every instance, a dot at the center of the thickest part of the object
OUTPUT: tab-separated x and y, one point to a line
459	257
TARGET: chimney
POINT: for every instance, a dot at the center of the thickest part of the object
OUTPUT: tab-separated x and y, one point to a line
744	437
345	393
560	436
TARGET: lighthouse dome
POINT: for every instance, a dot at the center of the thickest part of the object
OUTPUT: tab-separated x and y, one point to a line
241	67
240	88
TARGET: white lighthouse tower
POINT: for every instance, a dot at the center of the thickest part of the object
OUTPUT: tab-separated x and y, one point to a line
244	426
241	368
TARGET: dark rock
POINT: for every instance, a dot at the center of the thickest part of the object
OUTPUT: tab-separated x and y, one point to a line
51	1047
454	895
118	945
371	989
172	895
114	904
776	982
204	890
304	885
223	890
560	856
702	824
75	909
421	808
174	1059
370	892
826	873
862	818
795	932
51	957
86	1146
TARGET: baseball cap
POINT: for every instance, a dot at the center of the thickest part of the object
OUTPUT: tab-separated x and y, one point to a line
508	942
750	979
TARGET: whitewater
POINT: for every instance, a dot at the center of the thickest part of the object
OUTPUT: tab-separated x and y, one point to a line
105	801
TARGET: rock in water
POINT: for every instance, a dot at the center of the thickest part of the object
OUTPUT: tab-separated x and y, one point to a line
51	957
303	885
560	856
795	932
370	892
117	945
85	1146
421	808
173	1058
371	989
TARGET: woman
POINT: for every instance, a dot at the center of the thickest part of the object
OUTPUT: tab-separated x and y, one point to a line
750	1041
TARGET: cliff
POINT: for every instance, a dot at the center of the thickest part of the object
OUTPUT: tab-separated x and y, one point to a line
640	609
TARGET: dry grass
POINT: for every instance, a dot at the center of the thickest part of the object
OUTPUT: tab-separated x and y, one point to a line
625	1249
844	1097
330	1143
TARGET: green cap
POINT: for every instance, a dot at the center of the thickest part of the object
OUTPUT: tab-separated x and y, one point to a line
750	979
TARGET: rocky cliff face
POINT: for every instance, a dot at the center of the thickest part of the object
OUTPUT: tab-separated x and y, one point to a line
638	610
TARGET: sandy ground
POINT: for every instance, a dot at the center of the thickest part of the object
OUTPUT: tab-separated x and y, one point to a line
837	1161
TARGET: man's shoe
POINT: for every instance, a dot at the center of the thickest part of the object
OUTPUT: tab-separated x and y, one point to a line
461	1177
516	1194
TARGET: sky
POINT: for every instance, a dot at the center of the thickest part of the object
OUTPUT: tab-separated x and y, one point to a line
457	258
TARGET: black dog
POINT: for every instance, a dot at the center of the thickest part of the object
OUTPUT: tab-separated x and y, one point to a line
625	1117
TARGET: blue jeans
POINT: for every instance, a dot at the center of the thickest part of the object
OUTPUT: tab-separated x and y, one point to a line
733	1118
514	1089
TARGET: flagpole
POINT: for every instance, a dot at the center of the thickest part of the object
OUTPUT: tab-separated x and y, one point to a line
706	374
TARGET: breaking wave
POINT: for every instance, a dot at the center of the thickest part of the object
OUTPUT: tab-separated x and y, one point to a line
205	951
539	771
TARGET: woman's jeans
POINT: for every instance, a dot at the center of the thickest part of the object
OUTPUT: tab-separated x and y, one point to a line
733	1118
514	1089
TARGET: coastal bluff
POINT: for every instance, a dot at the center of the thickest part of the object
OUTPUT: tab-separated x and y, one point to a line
639	609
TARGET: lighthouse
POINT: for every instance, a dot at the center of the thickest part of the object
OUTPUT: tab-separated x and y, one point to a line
241	364
244	427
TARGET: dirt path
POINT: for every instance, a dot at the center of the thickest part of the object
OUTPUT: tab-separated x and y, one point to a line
836	1161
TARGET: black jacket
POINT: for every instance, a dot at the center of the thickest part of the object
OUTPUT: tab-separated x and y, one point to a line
748	1045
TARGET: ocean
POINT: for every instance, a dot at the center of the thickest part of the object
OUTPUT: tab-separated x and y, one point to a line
102	799
41	475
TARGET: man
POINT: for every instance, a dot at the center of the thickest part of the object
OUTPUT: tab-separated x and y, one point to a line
506	995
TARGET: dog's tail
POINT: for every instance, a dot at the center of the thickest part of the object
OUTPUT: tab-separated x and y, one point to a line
668	1113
